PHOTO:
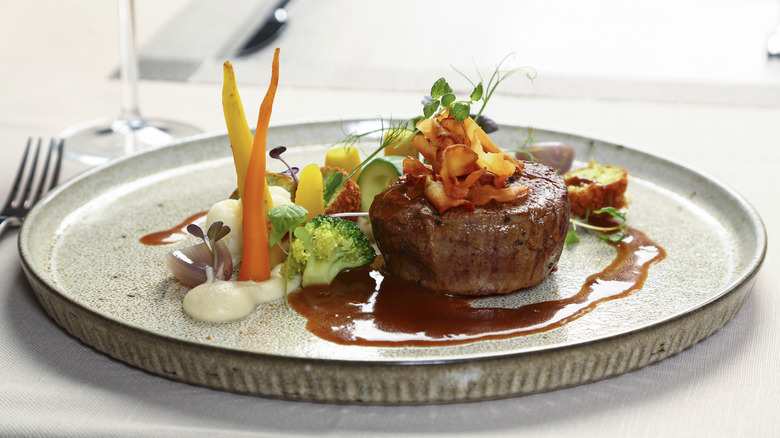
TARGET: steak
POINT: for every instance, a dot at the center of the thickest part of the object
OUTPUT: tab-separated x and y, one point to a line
495	249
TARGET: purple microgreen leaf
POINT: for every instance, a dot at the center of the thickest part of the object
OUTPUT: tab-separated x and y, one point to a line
277	154
214	230
217	231
195	231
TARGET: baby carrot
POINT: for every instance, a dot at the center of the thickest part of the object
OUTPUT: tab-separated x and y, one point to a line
255	259
238	130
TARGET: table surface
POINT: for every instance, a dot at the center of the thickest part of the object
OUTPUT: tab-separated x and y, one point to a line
57	66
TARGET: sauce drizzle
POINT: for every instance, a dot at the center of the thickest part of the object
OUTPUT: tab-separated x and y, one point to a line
365	307
173	234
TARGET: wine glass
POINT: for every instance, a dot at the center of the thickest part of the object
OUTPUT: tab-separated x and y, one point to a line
97	141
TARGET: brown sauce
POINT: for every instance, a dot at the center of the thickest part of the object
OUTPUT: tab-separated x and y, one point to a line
580	181
366	307
173	234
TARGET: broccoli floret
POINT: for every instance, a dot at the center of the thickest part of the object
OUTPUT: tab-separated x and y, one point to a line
324	246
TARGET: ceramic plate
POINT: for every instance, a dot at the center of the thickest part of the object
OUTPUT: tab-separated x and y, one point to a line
80	249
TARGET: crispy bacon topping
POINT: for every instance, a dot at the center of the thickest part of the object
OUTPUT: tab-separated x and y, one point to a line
466	168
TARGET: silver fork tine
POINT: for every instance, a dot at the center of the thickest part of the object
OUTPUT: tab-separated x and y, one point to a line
18	179
42	183
55	178
20	200
25	199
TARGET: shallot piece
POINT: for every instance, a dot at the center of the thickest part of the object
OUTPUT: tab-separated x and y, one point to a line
189	265
557	155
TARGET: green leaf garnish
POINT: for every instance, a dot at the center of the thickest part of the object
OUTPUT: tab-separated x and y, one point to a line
331	186
572	237
614	234
284	218
612	211
477	93
430	108
447	100
460	110
613	237
442	98
440	88
302	233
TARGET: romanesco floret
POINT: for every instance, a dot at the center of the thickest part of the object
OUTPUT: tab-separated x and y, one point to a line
325	246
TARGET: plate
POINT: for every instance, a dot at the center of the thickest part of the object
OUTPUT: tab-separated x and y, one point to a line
80	250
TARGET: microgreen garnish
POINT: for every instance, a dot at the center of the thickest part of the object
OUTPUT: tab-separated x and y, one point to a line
395	133
495	79
331	186
613	234
277	154
216	231
442	99
285	218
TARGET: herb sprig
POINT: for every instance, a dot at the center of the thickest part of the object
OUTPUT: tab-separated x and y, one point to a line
613	234
285	218
277	154
495	79
441	99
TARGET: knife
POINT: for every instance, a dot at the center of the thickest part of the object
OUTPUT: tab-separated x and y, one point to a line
268	30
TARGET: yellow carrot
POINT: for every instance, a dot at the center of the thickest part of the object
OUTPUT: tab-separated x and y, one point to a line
238	130
255	259
309	192
346	158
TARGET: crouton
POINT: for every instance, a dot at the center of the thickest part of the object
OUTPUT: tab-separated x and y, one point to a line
595	187
347	198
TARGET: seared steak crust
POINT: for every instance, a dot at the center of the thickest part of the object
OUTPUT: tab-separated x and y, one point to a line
497	248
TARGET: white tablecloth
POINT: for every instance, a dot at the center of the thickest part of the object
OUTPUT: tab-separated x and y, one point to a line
55	66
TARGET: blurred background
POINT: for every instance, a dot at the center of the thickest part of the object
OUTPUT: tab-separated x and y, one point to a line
686	79
611	69
691	51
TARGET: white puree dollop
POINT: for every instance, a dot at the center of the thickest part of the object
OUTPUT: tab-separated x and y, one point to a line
223	301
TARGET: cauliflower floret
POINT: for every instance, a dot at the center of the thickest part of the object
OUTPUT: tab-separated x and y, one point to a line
279	195
229	212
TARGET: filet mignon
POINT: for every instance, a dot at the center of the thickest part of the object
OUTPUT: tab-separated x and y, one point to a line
495	249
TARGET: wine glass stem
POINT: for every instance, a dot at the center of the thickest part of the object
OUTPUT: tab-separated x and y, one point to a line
128	65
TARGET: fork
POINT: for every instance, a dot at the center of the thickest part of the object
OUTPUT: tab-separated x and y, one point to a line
22	198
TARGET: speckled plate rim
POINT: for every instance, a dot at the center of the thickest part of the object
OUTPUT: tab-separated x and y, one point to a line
399	381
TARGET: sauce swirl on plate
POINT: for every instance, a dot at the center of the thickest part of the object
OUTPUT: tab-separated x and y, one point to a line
365	307
173	234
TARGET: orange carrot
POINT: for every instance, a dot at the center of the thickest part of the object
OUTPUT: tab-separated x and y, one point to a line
256	259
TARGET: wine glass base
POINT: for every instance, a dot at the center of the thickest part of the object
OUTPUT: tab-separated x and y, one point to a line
98	141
